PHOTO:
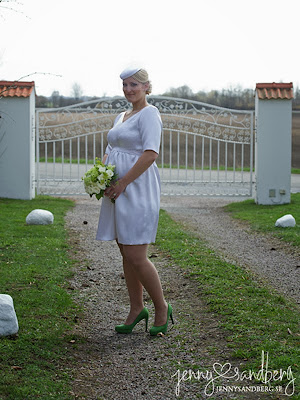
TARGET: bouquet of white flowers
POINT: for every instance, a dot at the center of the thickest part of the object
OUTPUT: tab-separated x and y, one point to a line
98	178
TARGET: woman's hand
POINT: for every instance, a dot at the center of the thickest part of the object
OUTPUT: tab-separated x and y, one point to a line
115	189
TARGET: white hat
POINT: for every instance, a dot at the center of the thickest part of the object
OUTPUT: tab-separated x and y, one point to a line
129	72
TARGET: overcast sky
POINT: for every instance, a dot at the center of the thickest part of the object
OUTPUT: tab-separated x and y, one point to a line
211	44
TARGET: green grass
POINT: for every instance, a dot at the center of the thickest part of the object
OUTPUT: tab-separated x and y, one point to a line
34	270
255	318
263	218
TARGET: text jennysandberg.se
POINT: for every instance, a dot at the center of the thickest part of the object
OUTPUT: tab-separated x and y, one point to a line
227	371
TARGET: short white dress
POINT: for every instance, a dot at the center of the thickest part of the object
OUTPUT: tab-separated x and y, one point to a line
133	218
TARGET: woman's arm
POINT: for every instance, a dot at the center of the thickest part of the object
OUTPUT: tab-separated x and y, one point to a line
104	158
142	164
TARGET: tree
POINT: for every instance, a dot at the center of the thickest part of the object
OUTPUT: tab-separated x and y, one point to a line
10	7
236	98
55	98
296	101
41	102
76	91
184	92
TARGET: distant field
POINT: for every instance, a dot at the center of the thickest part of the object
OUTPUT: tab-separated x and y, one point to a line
84	148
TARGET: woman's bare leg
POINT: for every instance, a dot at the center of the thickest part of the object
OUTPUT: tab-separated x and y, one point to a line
135	290
140	272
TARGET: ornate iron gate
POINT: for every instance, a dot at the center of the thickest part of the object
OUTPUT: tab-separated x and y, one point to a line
205	150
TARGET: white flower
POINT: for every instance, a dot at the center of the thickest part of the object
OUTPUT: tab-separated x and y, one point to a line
90	189
101	169
98	178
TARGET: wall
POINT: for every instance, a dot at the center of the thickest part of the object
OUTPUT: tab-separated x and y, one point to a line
17	162
273	151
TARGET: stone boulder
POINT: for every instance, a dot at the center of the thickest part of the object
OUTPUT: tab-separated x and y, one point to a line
8	319
287	221
39	217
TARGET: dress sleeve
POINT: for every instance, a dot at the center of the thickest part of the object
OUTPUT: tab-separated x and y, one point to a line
108	149
150	126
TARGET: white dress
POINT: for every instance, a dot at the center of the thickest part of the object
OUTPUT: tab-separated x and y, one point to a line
133	218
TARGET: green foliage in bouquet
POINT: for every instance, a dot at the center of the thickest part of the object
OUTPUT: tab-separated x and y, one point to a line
98	178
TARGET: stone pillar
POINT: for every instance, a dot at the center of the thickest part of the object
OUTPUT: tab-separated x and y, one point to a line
273	145
17	140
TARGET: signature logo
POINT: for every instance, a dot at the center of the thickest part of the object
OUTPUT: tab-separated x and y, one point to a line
233	374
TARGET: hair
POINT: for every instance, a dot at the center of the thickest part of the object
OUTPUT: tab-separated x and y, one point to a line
142	77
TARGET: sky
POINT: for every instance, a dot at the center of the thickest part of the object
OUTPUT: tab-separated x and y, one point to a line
206	45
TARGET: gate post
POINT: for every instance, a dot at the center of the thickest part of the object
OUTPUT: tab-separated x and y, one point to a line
17	140
273	145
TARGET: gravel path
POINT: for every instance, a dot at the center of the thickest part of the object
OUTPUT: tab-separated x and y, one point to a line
137	366
274	262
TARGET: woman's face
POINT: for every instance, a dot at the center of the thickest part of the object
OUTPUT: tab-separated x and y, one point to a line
134	91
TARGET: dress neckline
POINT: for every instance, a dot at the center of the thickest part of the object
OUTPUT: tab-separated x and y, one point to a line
133	114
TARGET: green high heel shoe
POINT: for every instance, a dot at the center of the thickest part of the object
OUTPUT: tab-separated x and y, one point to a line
144	314
163	328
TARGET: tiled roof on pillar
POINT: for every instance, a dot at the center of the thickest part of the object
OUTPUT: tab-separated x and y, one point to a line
268	91
16	88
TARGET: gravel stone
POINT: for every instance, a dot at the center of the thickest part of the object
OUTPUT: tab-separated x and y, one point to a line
136	366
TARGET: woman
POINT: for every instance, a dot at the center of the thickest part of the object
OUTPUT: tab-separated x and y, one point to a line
132	219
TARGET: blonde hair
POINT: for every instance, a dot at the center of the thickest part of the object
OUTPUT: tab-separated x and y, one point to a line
142	77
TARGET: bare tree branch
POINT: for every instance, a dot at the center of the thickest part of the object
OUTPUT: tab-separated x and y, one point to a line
11	8
26	76
39	73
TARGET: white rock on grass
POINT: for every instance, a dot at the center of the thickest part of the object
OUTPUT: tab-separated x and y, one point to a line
39	217
8	319
287	221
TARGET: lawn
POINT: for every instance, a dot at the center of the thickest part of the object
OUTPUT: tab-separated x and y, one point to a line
34	270
262	218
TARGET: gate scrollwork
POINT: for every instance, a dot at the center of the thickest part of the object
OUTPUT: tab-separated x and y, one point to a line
203	146
204	119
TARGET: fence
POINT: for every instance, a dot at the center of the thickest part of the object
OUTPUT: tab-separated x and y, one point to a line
205	149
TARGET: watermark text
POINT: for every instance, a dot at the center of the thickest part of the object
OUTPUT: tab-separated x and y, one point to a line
226	371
